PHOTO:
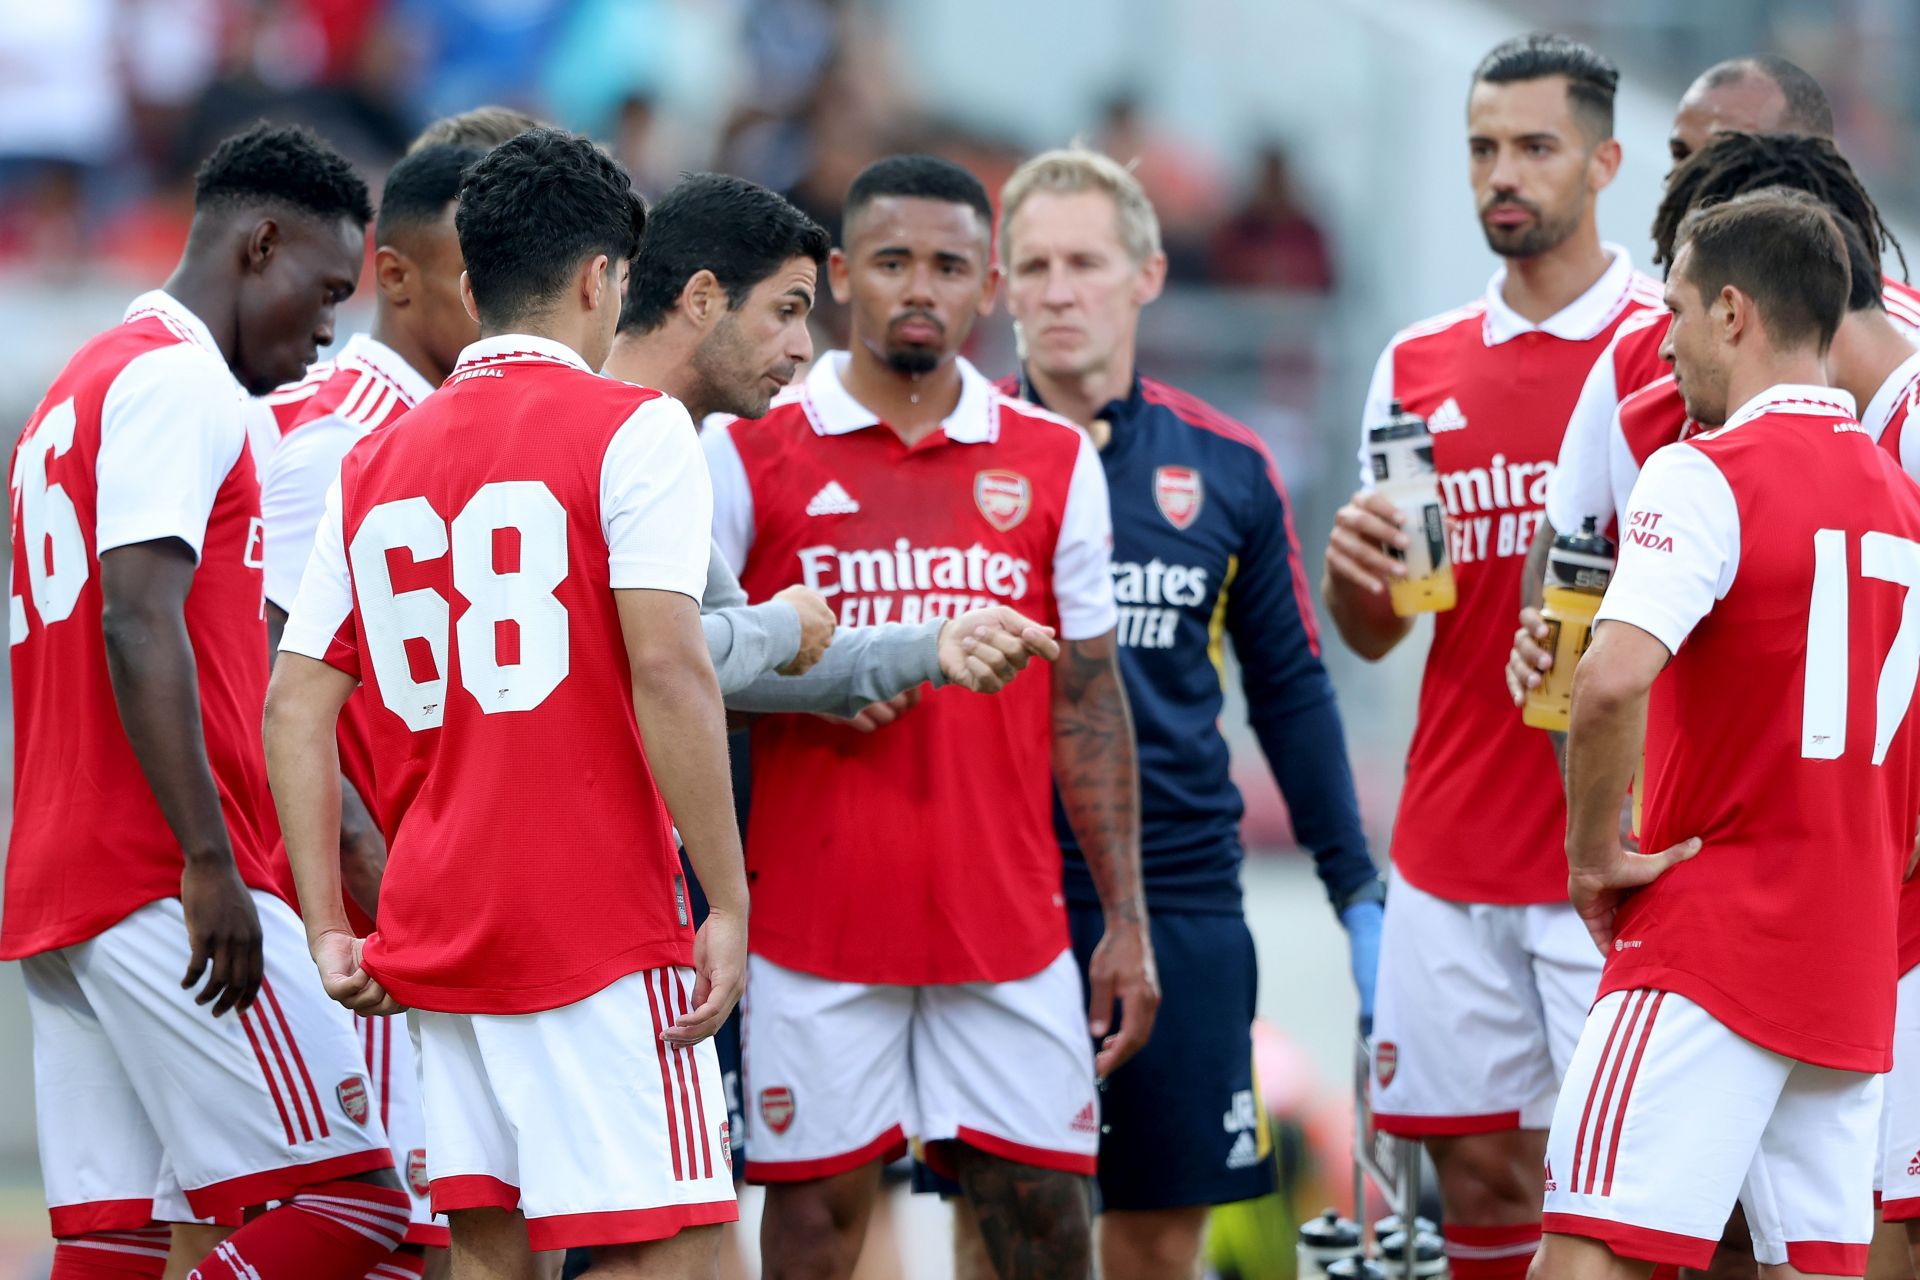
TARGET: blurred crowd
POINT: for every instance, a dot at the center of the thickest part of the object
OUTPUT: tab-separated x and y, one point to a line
107	106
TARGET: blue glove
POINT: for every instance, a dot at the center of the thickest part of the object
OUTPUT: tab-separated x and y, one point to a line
1362	921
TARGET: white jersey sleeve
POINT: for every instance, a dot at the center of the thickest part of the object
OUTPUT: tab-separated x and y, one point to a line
732	494
656	505
293	493
1083	558
172	426
1376	410
1680	548
325	599
1582	481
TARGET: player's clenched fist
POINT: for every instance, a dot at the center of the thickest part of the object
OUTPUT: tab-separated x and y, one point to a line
816	627
1362	530
337	956
982	650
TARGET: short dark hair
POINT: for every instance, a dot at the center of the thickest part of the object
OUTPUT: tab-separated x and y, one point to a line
484	127
286	165
1735	163
421	186
736	229
1591	75
916	177
532	209
1808	109
1782	249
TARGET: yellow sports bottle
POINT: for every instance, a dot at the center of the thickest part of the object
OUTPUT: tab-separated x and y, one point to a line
1578	571
1401	450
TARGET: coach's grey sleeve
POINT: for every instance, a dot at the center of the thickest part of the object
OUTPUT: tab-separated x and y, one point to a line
862	666
745	641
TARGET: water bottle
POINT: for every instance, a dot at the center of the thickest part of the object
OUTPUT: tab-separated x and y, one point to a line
1401	451
1578	571
1324	1241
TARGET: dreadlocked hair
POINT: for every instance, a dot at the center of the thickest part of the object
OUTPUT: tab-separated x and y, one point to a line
1735	163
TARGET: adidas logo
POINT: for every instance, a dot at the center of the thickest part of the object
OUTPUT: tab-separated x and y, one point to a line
1245	1153
832	501
1447	417
1085	1122
1913	1166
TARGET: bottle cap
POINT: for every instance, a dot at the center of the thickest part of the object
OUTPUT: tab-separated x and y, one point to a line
1400	425
1583	560
1330	1231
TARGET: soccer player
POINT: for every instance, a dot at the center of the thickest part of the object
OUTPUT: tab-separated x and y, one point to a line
1871	344
1748	1000
1747	95
485	127
533	909
1203	548
420	326
716	316
902	486
142	836
1480	932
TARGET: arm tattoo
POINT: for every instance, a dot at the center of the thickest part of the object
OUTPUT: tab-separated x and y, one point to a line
1037	1224
1094	767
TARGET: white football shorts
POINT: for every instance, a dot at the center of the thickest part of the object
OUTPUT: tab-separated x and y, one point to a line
581	1117
839	1074
1668	1117
144	1096
1478	1009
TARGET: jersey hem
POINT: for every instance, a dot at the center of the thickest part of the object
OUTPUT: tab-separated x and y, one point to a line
1044	955
886	1148
1475	894
1905	1210
1629	1241
1411	1126
89	1216
1748	1025
284	1183
433	997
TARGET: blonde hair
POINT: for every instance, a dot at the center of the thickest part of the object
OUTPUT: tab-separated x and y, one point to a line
1076	168
487	126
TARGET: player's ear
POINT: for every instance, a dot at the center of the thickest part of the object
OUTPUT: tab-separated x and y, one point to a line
1733	313
1151	279
596	282
703	300
466	298
1603	165
262	243
990	288
393	275
838	277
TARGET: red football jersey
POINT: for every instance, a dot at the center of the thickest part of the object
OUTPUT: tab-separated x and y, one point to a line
943	821
466	575
1888	419
1602	453
142	437
1483	812
368	386
1774	558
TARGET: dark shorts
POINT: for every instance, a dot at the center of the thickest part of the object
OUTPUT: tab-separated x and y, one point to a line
1181	1122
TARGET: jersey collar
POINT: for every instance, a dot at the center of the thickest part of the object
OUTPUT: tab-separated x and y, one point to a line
1793	397
1898	386
834	412
520	348
1578	321
173	313
369	352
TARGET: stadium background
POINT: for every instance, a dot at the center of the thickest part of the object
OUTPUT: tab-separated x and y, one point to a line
1306	161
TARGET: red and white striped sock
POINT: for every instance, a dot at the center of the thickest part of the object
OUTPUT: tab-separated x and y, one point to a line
1490	1253
113	1255
332	1231
408	1264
